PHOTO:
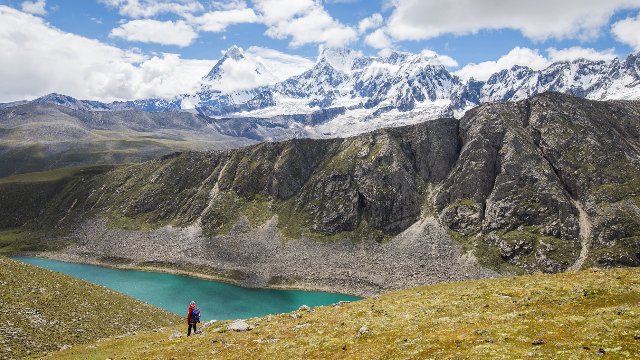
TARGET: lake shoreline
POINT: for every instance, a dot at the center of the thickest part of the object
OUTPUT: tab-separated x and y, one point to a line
173	292
87	260
261	257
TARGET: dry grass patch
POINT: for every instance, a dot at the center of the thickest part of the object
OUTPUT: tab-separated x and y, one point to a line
567	316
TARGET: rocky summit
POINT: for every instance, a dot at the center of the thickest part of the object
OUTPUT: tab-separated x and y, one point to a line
548	184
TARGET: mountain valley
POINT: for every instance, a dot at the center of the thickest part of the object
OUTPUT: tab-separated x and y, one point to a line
544	184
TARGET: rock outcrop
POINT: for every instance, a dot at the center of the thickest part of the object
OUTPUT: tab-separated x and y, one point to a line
545	184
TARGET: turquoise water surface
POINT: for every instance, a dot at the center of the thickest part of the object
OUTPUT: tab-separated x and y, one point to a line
216	300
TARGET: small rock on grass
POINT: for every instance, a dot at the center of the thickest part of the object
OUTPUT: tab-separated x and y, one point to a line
538	342
239	325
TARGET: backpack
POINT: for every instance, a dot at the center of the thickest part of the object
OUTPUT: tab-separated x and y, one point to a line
195	315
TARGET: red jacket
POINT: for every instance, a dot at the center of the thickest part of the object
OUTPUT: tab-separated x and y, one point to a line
191	307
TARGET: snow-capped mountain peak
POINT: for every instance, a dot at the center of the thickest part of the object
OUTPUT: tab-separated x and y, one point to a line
340	58
346	93
234	53
237	71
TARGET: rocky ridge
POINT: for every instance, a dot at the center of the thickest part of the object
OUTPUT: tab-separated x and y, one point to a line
545	184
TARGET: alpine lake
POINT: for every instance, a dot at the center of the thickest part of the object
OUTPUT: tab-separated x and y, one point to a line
216	300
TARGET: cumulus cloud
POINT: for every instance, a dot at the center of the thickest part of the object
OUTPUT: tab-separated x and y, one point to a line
315	27
217	21
378	40
442	59
372	22
280	64
532	59
517	56
239	75
38	59
537	20
274	11
627	31
304	21
149	8
152	31
576	52
35	7
229	5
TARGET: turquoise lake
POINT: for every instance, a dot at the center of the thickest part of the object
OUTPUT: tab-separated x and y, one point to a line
216	300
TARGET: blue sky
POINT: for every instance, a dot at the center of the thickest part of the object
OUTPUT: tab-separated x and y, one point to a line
128	49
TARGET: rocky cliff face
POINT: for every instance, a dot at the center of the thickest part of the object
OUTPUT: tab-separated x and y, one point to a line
546	184
546	179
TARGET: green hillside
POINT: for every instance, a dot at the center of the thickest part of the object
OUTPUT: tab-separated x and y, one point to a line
39	137
575	315
42	311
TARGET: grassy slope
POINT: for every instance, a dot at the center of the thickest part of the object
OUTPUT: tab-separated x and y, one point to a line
41	311
575	315
40	137
49	196
33	157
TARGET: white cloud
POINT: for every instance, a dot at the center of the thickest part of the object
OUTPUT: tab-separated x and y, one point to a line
517	56
37	59
149	8
372	22
627	31
304	21
315	27
217	21
531	59
152	31
537	20
35	7
442	59
240	75
274	11
576	52
378	40
229	5
280	64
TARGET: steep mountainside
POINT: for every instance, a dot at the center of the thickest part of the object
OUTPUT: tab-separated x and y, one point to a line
546	184
37	137
43	311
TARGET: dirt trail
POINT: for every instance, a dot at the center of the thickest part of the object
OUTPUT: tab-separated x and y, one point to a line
585	234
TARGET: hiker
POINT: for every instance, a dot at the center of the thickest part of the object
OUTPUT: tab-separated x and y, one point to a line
193	317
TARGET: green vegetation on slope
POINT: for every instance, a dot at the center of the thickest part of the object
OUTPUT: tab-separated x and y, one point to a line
573	315
545	184
40	137
33	205
41	311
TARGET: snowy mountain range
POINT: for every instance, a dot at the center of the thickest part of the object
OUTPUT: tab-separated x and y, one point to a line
346	93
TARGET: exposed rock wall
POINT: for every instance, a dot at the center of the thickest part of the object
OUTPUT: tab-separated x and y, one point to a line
546	184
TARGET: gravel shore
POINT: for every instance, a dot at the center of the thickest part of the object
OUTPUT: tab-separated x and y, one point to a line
422	254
